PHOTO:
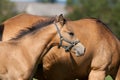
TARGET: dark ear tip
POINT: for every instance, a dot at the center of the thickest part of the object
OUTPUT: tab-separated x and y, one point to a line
60	19
61	15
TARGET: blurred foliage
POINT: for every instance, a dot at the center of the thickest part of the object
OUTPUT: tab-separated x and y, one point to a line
107	11
108	78
46	1
7	10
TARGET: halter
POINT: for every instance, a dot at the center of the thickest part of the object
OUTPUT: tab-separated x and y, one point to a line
72	43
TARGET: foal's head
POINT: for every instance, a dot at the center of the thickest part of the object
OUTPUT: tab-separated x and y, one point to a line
67	39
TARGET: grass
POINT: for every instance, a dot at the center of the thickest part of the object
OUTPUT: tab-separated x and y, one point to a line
35	79
108	78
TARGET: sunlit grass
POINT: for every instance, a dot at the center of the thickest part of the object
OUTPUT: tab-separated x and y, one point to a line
35	79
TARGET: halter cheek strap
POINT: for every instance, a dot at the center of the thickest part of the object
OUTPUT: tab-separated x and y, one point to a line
72	43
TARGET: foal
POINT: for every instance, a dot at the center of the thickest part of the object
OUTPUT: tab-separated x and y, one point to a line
19	56
102	55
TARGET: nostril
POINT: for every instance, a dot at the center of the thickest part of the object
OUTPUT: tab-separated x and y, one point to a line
84	49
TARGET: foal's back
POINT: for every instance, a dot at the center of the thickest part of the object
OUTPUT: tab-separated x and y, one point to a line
13	25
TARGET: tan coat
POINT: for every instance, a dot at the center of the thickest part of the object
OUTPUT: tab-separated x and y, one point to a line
102	55
20	56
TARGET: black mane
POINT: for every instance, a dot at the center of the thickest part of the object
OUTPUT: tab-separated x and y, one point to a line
35	27
101	22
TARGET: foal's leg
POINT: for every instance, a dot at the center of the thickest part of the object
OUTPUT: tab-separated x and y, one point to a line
97	75
99	65
118	74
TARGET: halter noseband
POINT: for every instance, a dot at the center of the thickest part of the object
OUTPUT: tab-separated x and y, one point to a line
72	43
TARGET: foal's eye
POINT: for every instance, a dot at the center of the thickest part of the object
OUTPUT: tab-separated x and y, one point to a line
71	33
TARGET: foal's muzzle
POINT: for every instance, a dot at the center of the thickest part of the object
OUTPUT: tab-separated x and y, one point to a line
78	49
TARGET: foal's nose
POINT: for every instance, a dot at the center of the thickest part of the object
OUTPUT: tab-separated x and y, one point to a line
79	49
84	50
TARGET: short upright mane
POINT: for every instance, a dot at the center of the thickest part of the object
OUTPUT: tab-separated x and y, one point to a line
36	26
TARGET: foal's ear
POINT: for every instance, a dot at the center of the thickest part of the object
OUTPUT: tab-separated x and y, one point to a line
61	19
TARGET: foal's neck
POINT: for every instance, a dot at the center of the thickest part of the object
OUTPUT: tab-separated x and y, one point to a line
36	42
